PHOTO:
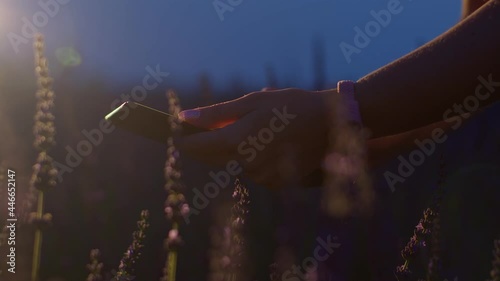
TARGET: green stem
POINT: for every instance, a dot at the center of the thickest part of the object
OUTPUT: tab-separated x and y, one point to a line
172	259
172	264
37	247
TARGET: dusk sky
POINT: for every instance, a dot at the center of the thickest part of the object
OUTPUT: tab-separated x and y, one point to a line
118	39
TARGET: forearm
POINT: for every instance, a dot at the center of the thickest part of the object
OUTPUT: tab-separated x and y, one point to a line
386	148
469	6
417	89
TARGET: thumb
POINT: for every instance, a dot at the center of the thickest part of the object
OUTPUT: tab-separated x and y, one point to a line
221	114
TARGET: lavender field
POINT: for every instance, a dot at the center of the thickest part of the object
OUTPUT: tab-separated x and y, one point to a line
82	198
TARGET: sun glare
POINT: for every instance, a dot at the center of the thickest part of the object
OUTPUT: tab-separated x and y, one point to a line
7	20
4	15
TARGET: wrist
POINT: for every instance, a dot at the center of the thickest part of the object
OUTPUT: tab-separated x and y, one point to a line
371	110
346	90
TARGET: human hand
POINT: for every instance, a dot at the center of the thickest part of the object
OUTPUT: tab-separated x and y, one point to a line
275	136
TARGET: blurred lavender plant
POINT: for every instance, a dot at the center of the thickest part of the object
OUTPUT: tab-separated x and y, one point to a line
239	212
219	253
434	267
274	272
130	257
434	270
95	266
44	173
227	257
495	263
426	234
418	241
348	186
176	206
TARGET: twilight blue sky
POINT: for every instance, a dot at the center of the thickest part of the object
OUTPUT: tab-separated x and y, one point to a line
118	39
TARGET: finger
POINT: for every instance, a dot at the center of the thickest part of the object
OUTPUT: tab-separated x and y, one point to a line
261	176
210	147
275	167
219	145
269	178
221	114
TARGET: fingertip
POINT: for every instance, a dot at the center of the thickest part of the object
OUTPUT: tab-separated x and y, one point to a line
189	115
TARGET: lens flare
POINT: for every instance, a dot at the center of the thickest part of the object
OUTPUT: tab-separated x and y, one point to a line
68	56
